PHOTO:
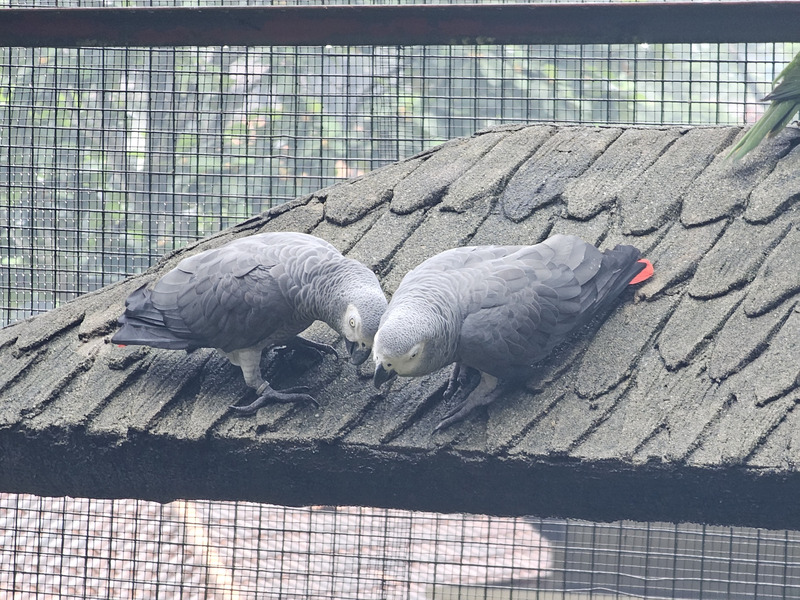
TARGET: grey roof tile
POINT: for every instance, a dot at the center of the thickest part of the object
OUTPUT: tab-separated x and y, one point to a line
781	448
345	237
486	177
736	257
724	187
776	370
742	338
168	373
647	203
427	184
646	244
693	324
778	279
645	411
561	159
377	246
677	255
348	203
34	387
685	424
624	161
593	231
564	423
776	192
497	229
616	347
192	416
16	365
397	409
303	218
103	380
740	429
33	333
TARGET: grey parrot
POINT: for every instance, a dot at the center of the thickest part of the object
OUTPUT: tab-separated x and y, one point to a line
495	311
254	293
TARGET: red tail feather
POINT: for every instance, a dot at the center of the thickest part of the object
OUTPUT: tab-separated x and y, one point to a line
646	273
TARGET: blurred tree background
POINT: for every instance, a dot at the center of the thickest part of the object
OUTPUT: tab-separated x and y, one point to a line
110	157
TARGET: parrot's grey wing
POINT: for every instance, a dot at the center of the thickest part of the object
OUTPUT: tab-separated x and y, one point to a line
228	298
520	322
532	299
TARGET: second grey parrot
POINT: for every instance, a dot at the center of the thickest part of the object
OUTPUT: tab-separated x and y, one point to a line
495	311
254	293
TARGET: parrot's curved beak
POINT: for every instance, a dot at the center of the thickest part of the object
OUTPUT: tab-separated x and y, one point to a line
357	355
382	376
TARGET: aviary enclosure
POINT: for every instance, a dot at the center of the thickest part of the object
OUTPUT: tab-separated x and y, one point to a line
115	153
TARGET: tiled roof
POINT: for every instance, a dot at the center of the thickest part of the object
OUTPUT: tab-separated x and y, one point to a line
680	406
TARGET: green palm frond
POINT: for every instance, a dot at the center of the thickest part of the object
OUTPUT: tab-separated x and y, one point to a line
785	99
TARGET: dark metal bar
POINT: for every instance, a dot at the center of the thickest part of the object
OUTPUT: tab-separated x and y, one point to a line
621	23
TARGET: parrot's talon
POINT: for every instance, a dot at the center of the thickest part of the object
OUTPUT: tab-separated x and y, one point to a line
452	418
248	409
452	383
270	396
462	378
320	347
468	380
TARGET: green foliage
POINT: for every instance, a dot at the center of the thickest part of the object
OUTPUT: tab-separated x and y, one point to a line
784	105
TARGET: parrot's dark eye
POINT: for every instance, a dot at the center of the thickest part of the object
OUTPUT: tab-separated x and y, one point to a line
389	365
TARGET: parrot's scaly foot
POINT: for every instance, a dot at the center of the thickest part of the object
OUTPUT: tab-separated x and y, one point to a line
460	377
319	346
461	387
268	395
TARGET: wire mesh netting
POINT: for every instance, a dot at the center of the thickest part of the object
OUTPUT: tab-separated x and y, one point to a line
111	157
67	548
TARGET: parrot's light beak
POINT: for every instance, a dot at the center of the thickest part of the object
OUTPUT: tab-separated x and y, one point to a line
382	376
357	355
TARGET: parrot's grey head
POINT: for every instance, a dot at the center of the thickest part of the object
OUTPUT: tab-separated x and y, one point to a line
360	323
405	345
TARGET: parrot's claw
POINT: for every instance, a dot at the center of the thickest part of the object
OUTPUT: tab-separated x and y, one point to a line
308	349
461	377
318	346
452	383
463	382
268	395
454	416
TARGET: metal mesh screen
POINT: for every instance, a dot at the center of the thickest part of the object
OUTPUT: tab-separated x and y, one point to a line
65	548
110	157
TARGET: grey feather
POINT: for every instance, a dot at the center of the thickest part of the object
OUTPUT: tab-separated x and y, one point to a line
254	293
497	309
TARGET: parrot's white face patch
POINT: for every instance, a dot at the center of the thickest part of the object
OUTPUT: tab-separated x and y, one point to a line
408	364
353	330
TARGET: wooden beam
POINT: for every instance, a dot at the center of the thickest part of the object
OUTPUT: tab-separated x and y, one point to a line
617	23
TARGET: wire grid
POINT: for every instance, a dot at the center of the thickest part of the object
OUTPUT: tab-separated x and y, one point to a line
74	548
111	157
